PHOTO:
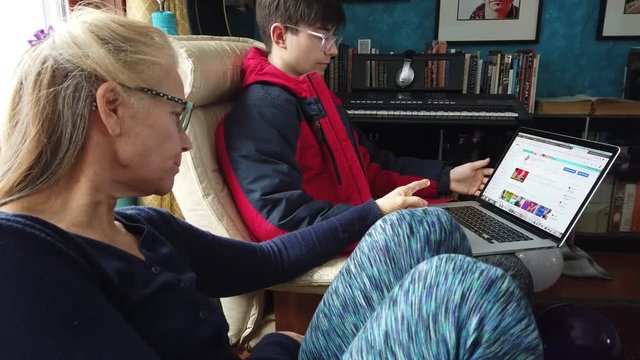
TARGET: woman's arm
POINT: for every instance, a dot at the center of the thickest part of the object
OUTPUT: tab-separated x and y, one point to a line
227	267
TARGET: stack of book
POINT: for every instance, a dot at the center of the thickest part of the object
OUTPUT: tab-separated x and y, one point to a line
436	72
586	105
339	72
503	73
614	208
625	207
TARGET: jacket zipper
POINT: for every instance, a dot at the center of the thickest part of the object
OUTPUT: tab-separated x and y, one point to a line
323	139
355	146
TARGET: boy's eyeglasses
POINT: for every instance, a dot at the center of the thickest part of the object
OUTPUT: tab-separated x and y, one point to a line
327	39
185	116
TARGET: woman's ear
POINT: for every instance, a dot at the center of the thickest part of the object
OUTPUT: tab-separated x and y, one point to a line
278	35
108	102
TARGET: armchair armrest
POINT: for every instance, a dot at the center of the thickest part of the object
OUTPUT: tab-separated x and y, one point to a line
314	281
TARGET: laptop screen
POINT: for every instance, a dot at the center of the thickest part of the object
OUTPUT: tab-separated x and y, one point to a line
545	181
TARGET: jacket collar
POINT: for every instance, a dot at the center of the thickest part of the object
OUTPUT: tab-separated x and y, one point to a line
257	68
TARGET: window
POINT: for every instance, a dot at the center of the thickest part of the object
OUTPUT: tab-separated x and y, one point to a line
27	16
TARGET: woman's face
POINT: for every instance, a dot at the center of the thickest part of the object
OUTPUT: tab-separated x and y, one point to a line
153	146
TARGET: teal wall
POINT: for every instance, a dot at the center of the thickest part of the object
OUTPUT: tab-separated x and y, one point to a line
572	60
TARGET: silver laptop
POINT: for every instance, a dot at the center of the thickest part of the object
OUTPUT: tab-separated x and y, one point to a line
537	192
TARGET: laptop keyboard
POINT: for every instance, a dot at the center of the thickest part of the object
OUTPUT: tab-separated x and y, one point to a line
485	226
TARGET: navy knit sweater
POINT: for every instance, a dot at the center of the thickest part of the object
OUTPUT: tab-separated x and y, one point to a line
65	296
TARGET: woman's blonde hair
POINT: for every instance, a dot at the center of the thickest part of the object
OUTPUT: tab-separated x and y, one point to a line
54	91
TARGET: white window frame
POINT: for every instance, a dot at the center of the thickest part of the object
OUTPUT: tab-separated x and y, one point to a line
25	18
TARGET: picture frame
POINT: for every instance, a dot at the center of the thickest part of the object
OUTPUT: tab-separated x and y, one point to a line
472	21
619	19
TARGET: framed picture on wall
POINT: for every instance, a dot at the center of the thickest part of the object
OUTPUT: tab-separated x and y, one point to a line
488	21
619	19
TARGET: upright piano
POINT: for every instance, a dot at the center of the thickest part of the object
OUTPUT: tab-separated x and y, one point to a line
423	101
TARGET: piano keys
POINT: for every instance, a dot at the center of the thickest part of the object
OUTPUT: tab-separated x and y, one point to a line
418	106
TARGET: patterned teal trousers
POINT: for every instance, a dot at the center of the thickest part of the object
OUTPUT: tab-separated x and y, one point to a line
411	291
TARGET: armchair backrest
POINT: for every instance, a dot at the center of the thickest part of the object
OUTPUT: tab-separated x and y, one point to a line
210	67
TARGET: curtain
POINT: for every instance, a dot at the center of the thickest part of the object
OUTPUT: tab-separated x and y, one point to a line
167	202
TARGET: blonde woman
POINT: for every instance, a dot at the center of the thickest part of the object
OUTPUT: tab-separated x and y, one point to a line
97	113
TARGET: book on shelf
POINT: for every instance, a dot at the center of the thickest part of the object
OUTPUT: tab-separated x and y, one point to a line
565	105
617	201
479	68
627	206
609	106
586	105
493	70
438	68
465	77
635	221
442	65
503	86
528	78
534	83
472	74
624	206
595	218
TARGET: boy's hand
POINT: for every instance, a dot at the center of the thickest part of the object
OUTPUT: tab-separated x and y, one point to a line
402	198
469	178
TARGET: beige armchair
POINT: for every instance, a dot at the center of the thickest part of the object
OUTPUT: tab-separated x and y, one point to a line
210	68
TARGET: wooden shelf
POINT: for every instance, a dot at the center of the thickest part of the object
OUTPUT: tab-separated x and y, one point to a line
633	172
613	242
625	269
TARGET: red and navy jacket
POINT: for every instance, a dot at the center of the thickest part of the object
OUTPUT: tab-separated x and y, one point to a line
292	158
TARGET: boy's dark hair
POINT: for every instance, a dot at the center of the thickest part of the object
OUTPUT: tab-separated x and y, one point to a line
328	13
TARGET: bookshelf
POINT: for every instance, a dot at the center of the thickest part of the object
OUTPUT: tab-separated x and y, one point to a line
432	72
436	70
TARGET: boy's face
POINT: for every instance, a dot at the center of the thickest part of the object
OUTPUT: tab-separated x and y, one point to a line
305	51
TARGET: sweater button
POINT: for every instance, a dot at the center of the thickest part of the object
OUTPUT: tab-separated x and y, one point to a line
203	314
156	269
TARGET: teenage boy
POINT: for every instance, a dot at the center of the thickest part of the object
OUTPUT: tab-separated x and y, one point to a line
287	149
